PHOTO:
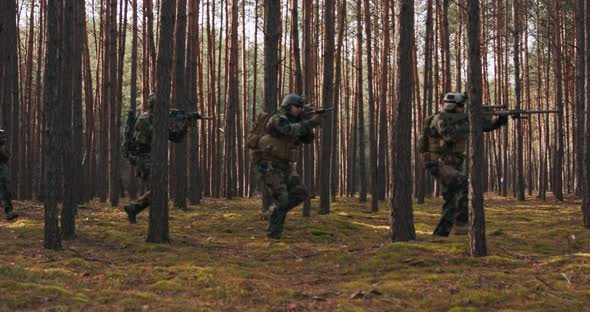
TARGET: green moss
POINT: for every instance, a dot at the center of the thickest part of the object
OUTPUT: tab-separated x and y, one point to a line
166	286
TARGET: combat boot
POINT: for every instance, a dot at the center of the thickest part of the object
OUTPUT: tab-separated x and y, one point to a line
276	221
11	216
131	213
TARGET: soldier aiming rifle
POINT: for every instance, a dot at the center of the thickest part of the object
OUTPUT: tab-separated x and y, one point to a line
442	145
275	141
138	143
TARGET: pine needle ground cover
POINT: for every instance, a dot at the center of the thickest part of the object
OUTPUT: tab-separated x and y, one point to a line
219	260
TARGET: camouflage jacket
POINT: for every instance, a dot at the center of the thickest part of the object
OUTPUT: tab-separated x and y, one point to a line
143	131
284	136
446	133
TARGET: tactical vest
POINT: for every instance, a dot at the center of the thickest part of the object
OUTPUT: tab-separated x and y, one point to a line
278	148
436	145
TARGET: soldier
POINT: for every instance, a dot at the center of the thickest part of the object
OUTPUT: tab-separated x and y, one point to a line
140	152
274	157
4	178
442	144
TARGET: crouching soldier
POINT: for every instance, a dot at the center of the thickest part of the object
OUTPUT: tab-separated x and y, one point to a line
275	152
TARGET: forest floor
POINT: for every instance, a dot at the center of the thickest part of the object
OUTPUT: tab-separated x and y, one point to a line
220	260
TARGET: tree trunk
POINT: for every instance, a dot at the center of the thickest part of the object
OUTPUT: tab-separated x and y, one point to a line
382	168
327	91
132	186
517	93
308	92
192	62
180	161
580	95
586	202
68	210
558	151
111	103
52	237
231	106
360	104
372	115
402	215
477	230
158	224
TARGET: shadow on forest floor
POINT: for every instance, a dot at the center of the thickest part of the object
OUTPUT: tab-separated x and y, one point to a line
219	259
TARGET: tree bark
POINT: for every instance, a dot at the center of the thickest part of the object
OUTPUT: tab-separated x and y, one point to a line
180	161
558	151
327	92
231	106
192	62
158	221
586	201
477	238
52	237
517	92
402	215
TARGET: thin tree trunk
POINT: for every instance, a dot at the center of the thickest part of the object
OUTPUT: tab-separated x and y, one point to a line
327	91
180	161
158	220
192	62
517	93
477	230
558	155
402	215
52	237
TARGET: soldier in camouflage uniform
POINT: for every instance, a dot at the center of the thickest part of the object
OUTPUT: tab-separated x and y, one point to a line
5	179
442	144
275	156
140	154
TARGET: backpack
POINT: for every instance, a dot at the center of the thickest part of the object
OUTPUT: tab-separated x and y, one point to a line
128	139
258	130
423	141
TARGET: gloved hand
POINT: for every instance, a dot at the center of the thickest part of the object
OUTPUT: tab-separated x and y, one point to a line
502	120
315	120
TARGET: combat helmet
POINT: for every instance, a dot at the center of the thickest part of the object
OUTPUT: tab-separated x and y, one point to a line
293	99
454	100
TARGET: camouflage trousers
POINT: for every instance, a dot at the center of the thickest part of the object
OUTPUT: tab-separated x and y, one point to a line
143	165
5	188
454	189
283	184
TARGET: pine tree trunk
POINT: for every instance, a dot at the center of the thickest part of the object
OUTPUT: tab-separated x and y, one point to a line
327	91
180	161
192	57
158	221
477	238
360	105
402	215
68	210
517	92
231	106
308	92
52	237
132	186
586	202
580	95
381	169
558	155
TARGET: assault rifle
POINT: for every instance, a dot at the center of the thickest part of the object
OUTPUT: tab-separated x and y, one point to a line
310	110
178	115
517	113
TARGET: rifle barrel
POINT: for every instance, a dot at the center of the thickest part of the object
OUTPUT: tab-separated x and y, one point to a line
515	112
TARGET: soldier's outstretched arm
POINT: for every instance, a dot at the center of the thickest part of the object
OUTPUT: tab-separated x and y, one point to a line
488	124
283	126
